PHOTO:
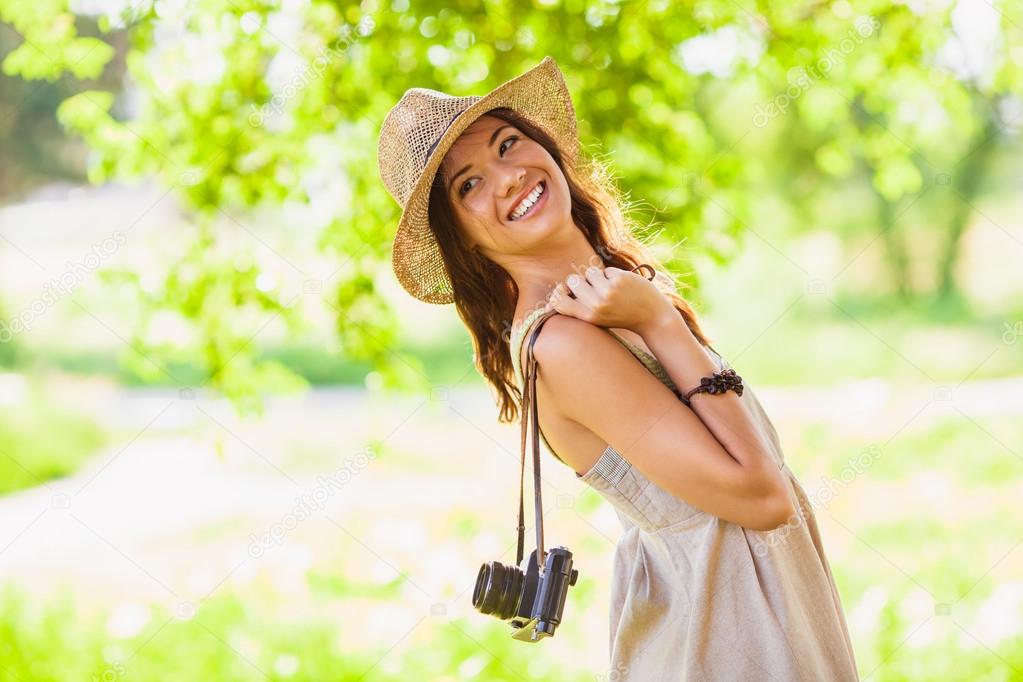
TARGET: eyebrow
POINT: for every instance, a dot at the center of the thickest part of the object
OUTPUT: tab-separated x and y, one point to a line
493	136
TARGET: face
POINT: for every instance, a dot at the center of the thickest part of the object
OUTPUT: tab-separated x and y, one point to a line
492	173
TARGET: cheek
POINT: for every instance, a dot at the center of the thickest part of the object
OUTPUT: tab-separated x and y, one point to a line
561	195
469	223
466	215
477	208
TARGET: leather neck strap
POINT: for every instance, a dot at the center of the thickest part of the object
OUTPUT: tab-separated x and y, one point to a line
529	413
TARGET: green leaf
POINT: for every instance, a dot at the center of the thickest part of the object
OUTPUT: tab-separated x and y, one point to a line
86	111
835	159
86	57
31	64
897	176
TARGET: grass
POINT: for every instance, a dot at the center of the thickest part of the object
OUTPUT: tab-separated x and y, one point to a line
927	590
442	364
241	637
922	548
40	442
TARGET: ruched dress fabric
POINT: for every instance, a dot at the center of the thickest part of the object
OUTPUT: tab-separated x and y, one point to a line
695	597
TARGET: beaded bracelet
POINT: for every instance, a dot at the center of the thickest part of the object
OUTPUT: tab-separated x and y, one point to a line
717	383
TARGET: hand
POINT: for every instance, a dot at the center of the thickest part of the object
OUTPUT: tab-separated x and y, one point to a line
612	297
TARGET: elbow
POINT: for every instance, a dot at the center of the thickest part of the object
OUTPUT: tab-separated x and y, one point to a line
775	511
774	505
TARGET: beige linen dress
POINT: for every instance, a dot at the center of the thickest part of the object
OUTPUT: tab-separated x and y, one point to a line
695	597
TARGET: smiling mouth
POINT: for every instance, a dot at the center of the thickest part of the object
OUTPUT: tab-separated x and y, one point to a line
528	205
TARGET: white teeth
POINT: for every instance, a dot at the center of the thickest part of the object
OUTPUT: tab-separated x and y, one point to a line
528	202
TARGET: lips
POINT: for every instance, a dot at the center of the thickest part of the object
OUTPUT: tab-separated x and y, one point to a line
518	200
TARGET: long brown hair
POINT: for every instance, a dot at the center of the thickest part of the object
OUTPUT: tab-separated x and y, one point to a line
485	295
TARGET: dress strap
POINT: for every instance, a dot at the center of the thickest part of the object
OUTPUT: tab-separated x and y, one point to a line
518	338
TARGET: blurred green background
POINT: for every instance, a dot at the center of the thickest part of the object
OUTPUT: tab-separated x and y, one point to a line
232	448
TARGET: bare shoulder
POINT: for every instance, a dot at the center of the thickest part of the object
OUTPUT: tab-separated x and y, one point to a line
582	365
586	381
562	334
569	342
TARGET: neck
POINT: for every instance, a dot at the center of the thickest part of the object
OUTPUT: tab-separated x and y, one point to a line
537	275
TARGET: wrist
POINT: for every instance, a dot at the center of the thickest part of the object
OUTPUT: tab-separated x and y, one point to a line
658	324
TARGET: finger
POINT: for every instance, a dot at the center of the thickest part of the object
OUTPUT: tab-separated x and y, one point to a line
553	297
557	293
583	290
560	300
595	276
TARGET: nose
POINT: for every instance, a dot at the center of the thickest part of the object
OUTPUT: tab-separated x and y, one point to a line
513	181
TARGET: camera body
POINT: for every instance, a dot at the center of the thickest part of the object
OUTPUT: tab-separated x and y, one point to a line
531	604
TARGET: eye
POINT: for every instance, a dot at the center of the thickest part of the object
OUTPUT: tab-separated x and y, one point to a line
513	137
462	191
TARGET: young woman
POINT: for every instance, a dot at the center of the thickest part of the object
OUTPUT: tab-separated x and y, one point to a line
720	573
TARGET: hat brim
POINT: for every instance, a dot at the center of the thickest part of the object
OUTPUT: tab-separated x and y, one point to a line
542	97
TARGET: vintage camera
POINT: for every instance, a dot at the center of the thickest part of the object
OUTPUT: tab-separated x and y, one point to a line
531	604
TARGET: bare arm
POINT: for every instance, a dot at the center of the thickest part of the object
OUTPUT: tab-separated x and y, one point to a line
590	378
685	361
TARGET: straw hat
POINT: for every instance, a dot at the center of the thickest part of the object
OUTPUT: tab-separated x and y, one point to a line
416	135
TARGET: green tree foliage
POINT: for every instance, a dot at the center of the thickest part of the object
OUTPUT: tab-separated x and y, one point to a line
711	112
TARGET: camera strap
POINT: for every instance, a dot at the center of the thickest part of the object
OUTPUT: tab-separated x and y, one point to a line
529	413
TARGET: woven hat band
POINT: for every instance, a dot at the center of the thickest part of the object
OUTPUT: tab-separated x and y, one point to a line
439	138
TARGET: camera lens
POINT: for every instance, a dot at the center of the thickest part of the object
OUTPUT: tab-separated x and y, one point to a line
498	590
